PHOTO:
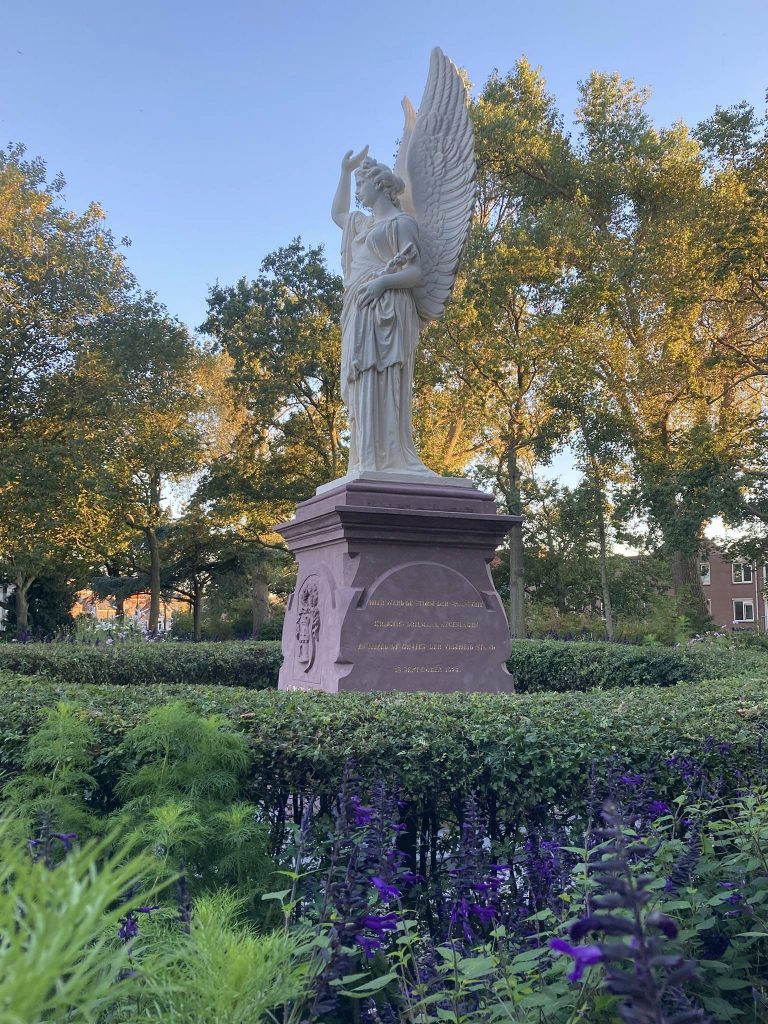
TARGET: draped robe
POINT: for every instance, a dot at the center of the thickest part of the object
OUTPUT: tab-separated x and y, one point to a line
378	347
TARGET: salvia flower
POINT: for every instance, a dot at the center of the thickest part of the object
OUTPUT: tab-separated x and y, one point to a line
129	925
650	989
584	956
386	892
380	923
66	839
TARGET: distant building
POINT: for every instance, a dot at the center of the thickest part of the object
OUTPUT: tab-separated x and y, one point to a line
135	611
6	595
734	591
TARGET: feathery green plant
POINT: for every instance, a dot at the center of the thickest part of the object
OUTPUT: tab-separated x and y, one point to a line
56	778
223	972
183	774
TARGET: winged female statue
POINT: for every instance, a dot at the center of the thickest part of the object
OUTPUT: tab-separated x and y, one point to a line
399	264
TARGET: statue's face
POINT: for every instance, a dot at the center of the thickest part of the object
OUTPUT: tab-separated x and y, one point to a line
365	191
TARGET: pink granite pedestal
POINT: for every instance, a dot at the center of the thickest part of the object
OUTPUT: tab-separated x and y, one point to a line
394	590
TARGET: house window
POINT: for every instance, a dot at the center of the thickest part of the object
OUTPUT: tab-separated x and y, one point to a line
704	570
741	572
744	611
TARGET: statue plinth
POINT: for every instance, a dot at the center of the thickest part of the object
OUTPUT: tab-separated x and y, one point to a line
394	590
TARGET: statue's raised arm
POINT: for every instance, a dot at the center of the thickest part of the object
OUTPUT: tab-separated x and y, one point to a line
400	263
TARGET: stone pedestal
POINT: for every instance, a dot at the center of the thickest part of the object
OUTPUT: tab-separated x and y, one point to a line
394	590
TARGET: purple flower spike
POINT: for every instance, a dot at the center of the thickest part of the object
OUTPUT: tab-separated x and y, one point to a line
368	946
362	815
484	914
380	923
387	892
632	779
129	928
66	838
409	878
584	956
664	923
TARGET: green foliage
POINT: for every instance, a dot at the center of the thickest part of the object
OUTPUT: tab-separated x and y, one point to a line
254	664
281	331
60	272
59	958
222	972
182	775
49	795
721	900
546	665
176	752
50	598
537	665
516	752
182	624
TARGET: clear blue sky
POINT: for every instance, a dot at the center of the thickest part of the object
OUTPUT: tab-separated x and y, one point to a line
211	132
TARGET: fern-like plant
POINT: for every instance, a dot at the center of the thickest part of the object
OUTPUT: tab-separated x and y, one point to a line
52	792
183	776
222	972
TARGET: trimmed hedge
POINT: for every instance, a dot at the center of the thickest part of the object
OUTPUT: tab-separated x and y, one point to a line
519	754
556	665
537	665
253	664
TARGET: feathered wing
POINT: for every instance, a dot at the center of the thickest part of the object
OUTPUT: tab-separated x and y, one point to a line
400	168
439	165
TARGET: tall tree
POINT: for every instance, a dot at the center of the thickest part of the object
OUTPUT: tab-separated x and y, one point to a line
148	380
59	272
646	228
282	333
500	342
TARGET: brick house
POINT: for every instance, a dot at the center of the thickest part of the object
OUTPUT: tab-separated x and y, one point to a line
735	591
135	607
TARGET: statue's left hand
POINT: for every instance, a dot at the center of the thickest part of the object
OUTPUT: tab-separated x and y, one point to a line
371	291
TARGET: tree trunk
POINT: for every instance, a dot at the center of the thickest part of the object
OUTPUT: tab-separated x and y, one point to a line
601	535
686	586
516	580
154	554
119	609
259	599
197	608
23	583
154	579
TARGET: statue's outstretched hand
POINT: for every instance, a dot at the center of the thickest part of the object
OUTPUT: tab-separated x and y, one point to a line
350	163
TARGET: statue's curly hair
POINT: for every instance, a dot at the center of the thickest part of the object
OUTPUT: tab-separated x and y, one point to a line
383	178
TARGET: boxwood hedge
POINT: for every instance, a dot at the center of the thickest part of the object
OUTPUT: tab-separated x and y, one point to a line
520	754
537	665
545	665
253	664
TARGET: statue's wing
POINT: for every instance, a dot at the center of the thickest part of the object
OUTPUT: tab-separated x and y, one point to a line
440	166
401	162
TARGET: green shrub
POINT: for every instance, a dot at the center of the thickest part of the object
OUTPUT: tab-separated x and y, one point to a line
222	971
182	624
556	665
537	665
49	793
516	752
253	664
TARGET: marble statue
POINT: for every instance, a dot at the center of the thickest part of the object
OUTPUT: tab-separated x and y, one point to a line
399	263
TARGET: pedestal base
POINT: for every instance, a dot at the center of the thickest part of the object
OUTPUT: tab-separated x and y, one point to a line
394	590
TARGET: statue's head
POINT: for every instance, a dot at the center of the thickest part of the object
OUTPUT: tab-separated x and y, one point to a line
381	178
